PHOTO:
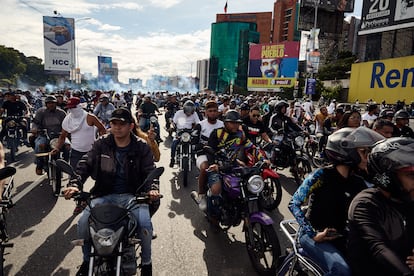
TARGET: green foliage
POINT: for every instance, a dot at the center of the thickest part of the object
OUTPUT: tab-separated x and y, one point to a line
15	65
337	69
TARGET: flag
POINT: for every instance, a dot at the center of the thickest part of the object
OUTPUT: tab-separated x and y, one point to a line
225	8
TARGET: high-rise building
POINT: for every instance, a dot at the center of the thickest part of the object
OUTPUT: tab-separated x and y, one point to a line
229	54
285	21
263	21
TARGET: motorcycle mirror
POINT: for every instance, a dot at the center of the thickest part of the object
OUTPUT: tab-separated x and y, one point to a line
154	174
6	172
65	167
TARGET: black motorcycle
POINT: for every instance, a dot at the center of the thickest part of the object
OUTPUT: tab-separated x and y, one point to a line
242	187
54	174
184	154
151	120
288	152
5	204
112	231
14	134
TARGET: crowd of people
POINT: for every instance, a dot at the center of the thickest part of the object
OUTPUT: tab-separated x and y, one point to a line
359	215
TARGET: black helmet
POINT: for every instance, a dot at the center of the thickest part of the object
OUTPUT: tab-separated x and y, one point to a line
386	158
50	99
280	105
342	144
232	116
189	107
402	114
386	113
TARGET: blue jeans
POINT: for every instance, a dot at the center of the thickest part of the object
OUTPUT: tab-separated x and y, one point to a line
174	145
326	256
141	214
213	201
41	145
75	156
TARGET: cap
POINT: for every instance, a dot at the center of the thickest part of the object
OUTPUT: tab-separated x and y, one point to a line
211	104
72	102
244	106
121	114
51	99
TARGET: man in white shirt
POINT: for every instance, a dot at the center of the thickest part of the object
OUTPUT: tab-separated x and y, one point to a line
368	118
185	118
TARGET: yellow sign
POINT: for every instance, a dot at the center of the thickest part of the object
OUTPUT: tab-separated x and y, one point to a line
389	79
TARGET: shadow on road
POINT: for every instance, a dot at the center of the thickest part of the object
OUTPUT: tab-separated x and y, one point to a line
43	261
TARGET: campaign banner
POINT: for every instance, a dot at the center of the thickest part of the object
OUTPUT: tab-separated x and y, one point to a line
273	65
331	5
386	15
59	43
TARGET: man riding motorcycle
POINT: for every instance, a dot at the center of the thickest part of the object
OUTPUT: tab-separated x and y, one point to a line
118	163
47	118
12	107
233	140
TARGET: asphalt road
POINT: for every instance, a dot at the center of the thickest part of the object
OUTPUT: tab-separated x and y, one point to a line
42	227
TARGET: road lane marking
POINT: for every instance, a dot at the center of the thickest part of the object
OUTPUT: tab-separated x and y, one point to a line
28	188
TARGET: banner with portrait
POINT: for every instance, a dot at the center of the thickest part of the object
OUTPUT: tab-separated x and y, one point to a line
273	65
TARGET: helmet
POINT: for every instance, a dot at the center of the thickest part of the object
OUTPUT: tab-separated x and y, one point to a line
280	105
188	107
342	144
386	158
103	97
386	113
50	99
402	114
232	116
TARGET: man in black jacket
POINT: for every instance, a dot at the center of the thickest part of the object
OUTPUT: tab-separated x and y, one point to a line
118	163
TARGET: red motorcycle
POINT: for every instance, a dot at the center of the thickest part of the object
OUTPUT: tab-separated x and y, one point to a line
271	195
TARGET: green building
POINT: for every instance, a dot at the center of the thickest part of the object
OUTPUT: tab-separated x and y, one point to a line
229	54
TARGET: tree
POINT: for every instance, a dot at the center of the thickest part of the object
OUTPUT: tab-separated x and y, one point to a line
11	65
337	69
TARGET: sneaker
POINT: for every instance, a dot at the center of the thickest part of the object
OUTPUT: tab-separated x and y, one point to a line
83	269
200	199
146	270
172	163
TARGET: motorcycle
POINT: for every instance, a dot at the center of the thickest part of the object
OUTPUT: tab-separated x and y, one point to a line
54	174
271	196
288	152
241	203
14	131
296	262
5	204
184	154
150	120
112	231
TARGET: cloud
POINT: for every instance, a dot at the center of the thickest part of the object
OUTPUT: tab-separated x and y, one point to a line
165	4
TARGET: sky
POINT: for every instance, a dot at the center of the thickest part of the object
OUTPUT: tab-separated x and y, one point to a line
145	37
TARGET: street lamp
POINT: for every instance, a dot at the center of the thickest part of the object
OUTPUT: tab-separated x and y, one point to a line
74	61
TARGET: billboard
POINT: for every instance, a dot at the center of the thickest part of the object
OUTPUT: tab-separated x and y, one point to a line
272	66
59	44
104	66
386	15
331	5
388	79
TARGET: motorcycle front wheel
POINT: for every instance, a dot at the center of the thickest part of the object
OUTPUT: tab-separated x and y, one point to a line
301	170
185	164
55	179
271	194
263	248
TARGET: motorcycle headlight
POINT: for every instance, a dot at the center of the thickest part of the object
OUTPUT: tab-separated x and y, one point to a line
11	123
255	184
185	137
153	119
105	240
53	143
299	141
312	128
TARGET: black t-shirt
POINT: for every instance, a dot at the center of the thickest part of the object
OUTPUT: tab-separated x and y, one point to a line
253	131
14	108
